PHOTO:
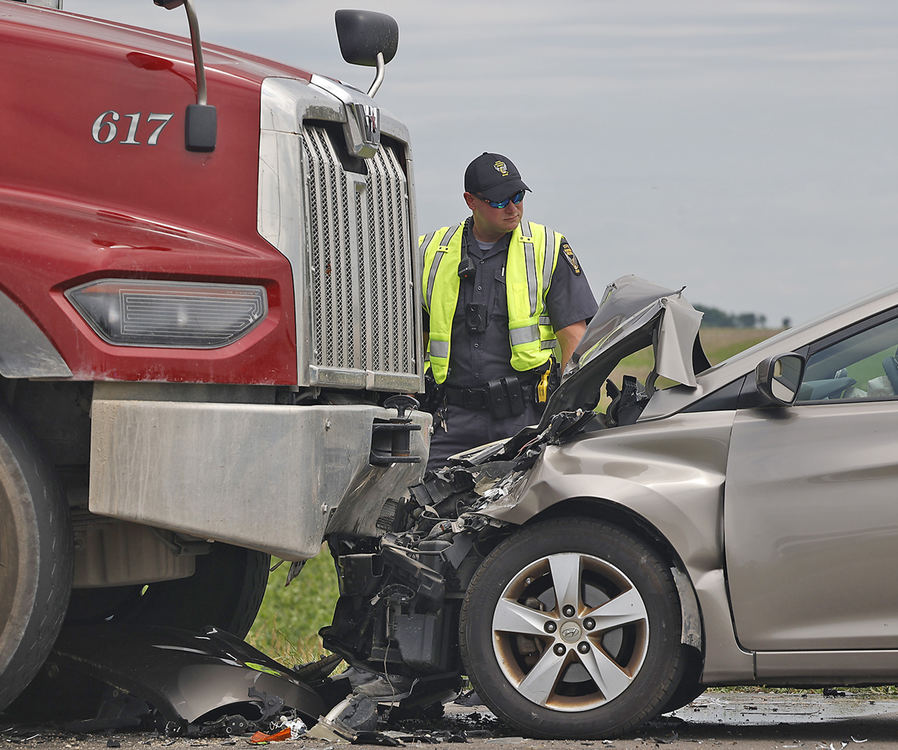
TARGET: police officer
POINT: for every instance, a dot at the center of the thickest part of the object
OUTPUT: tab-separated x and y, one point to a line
505	304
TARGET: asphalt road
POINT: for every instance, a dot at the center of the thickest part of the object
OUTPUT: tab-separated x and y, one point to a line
737	721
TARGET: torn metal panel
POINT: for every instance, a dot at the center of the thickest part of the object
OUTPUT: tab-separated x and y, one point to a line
169	679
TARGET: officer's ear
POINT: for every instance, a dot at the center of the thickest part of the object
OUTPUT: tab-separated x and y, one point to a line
471	200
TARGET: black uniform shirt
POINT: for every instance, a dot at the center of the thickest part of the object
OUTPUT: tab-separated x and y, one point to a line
475	358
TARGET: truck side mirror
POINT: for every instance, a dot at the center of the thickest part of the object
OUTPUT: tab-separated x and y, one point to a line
367	38
201	123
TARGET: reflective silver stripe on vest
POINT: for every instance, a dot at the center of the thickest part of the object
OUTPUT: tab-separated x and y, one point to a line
439	348
437	258
545	320
450	233
525	335
530	262
426	243
550	344
547	260
432	276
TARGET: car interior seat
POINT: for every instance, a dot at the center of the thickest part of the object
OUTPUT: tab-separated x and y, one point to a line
890	366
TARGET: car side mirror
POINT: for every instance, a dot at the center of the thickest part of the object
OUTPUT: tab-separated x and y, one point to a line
778	378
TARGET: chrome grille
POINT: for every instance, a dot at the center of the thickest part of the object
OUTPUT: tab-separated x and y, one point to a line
360	260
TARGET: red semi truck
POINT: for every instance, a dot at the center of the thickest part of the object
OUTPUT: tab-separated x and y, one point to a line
208	291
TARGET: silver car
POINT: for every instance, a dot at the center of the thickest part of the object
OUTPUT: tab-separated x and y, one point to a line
736	526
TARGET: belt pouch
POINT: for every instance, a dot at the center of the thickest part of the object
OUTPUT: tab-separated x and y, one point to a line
499	408
515	395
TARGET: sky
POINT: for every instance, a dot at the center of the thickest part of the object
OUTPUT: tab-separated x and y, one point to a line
747	149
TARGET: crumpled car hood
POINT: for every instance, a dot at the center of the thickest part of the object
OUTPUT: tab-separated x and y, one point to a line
625	303
634	313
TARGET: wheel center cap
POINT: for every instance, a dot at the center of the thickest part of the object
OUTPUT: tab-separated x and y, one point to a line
570	631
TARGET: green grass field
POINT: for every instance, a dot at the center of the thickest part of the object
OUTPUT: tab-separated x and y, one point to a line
288	623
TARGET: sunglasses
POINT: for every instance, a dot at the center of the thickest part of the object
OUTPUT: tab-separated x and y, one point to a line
516	198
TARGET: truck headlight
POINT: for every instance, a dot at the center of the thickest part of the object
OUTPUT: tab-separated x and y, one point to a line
135	312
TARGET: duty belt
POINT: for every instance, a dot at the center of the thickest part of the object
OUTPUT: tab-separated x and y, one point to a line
504	397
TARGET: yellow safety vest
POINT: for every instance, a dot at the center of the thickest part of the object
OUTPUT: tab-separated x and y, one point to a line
528	275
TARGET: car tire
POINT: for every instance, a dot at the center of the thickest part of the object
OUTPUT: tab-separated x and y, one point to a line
521	645
35	560
226	592
689	688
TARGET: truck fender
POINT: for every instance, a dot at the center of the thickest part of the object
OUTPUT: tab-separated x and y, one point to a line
25	352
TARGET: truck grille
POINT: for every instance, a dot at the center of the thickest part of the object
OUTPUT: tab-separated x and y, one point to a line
360	259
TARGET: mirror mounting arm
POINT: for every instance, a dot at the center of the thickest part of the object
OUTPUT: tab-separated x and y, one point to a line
201	124
379	77
193	23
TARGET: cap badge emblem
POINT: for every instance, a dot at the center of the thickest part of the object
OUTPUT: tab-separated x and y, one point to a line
500	167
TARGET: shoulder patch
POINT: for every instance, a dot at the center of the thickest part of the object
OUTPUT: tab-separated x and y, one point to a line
571	258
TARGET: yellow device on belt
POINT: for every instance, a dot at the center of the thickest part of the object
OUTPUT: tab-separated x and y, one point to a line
542	388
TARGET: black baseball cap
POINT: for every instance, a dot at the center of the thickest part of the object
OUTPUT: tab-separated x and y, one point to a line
494	177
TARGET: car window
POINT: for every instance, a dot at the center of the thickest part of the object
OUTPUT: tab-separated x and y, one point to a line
862	366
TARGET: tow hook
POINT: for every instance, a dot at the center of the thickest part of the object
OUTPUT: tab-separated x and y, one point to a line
391	439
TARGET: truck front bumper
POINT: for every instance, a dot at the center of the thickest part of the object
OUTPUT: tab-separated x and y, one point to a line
264	476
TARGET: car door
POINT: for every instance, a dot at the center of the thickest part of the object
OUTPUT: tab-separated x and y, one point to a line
811	503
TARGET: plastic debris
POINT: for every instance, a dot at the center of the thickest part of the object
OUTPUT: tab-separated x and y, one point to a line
326	731
352	720
296	726
367	737
261	738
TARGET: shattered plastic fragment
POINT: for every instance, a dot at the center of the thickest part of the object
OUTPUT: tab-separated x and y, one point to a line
297	727
326	731
295	569
261	738
367	737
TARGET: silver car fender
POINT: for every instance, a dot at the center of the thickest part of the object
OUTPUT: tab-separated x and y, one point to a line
670	477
